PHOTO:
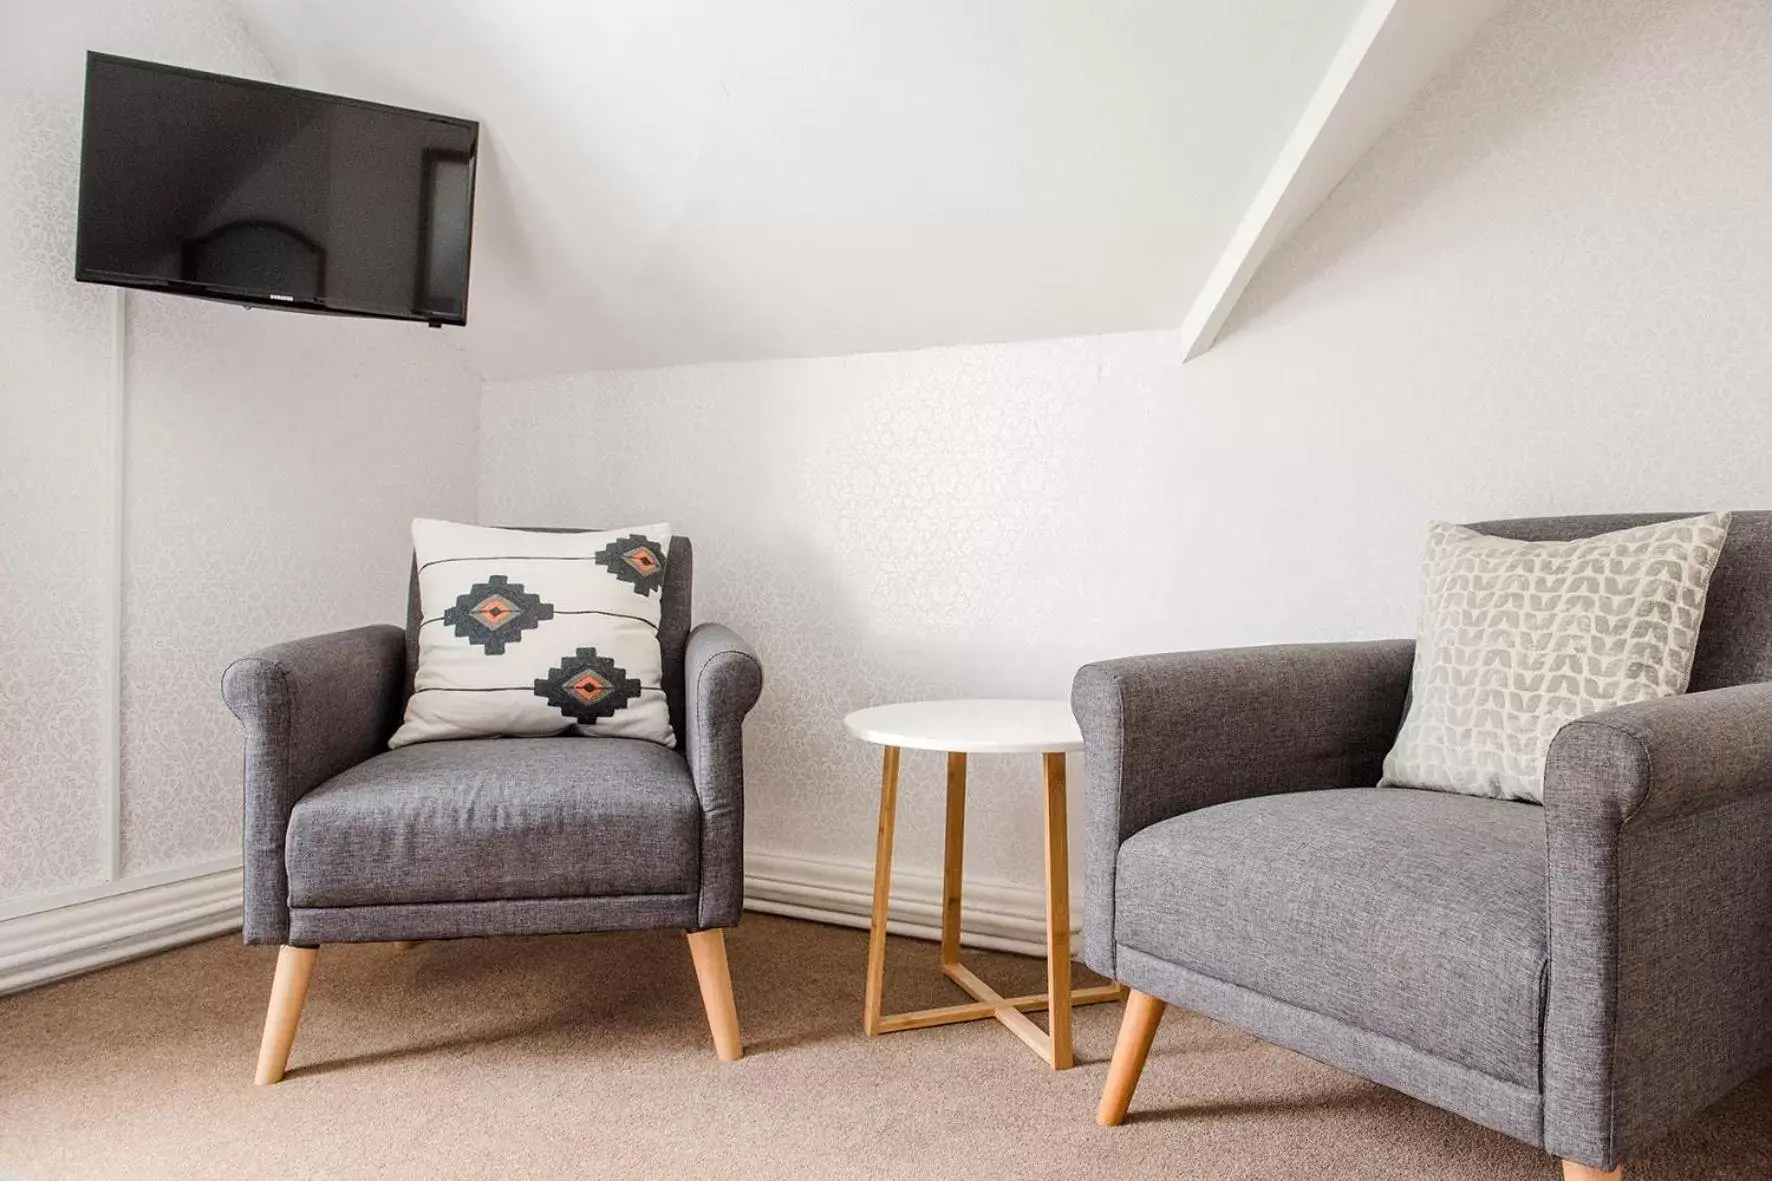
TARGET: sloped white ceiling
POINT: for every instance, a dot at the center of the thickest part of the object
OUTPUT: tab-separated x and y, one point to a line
672	181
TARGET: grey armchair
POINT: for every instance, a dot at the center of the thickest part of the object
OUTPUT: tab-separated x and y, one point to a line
1583	976
349	842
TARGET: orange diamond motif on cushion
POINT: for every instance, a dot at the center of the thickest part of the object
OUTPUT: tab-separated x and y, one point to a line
642	559
496	611
587	687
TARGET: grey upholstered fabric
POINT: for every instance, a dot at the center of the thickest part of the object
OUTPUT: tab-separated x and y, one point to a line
1414	915
1660	827
312	926
1484	1098
494	818
1735	645
310	709
675	610
723	679
1657	865
1163	735
447	843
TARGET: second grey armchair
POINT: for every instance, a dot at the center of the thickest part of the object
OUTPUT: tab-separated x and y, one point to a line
1583	976
347	841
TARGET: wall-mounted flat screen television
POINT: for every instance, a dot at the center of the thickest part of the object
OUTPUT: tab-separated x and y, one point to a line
230	189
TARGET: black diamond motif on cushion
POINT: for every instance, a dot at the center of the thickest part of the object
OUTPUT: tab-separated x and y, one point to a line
634	559
495	613
587	686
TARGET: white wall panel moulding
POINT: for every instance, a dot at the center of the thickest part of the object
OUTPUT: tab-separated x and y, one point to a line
121	925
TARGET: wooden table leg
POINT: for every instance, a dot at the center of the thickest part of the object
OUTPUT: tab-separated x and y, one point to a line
875	996
953	859
1058	912
1053	1044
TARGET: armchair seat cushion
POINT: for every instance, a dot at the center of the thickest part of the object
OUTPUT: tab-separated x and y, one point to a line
1415	915
498	818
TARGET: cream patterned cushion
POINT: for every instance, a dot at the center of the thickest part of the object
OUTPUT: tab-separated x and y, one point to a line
531	634
1520	637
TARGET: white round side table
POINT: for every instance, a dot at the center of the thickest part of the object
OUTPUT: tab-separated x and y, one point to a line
959	728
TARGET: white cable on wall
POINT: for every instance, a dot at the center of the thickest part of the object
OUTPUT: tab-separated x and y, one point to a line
111	647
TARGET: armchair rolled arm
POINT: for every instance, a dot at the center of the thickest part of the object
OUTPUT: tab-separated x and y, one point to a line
310	708
1163	735
1658	821
722	679
1661	758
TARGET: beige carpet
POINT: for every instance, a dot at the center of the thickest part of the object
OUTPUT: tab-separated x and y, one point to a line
587	1056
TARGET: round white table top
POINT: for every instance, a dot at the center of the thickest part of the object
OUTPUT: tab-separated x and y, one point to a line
970	727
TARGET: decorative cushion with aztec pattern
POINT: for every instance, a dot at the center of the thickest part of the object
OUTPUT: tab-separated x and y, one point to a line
531	634
1520	637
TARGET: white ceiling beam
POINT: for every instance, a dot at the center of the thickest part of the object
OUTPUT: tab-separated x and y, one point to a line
1393	48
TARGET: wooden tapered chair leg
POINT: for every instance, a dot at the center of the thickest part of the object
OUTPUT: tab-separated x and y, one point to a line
289	989
708	950
1575	1172
1137	1028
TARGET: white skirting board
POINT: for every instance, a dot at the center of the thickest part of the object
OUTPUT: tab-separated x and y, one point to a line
993	915
92	933
81	936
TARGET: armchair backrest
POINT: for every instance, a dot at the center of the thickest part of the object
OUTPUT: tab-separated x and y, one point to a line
1735	639
673	621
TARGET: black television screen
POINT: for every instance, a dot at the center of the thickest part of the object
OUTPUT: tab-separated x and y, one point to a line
231	189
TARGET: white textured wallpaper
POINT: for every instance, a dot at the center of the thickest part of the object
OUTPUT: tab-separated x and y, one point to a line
52	364
1547	290
275	464
274	461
